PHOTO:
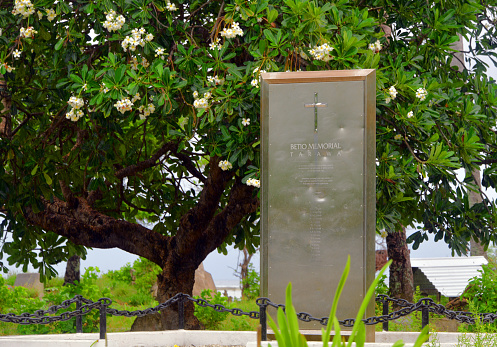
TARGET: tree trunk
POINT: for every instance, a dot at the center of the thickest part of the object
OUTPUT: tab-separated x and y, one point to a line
72	270
401	278
244	267
476	248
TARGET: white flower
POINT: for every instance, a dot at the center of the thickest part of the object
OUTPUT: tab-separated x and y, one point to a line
76	102
397	137
23	7
246	121
215	44
225	165
146	111
232	31
322	52
207	95
195	94
201	103
51	14
136	39
255	83
8	67
253	182
136	97
215	80
384	234
85	86
410	114
149	37
112	23
40	15
28	32
123	105
393	92
171	7
377	45
74	115
17	54
159	52
421	94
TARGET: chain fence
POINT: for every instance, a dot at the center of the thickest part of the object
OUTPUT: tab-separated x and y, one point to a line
85	306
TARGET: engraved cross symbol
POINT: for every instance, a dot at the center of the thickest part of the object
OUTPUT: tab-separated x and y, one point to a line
315	105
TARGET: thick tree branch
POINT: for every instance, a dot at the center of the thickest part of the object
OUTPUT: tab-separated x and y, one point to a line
132	170
85	226
190	166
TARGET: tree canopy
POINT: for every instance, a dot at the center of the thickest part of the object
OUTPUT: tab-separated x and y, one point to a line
115	112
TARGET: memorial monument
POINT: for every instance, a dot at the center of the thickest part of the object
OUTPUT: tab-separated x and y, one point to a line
318	188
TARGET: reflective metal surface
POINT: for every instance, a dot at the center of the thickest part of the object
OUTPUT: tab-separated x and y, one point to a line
318	144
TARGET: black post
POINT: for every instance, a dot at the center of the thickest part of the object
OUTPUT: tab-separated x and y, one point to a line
425	317
385	313
181	313
103	321
263	321
79	319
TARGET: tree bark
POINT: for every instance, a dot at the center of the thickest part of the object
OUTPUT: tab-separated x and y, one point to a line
201	230
72	270
244	267
401	278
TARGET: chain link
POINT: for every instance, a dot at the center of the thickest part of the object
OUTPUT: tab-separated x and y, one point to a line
406	308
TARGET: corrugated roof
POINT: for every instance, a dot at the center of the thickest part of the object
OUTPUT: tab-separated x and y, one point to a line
449	276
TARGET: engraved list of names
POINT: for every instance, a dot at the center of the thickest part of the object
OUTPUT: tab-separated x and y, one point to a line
314	190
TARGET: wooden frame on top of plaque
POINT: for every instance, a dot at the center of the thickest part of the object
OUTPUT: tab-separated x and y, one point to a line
318	188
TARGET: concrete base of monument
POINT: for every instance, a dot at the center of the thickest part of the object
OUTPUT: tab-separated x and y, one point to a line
188	338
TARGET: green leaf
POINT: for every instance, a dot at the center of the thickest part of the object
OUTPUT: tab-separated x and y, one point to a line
35	169
59	44
47	178
76	78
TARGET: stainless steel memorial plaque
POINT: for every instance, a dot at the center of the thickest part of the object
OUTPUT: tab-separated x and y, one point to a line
318	188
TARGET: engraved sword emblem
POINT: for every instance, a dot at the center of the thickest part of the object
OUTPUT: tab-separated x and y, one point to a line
315	105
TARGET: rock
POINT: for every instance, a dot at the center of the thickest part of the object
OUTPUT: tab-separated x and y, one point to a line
150	322
203	280
31	281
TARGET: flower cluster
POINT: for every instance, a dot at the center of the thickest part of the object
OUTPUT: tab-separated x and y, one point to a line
113	22
375	47
233	31
201	102
134	63
171	7
322	52
215	80
23	7
160	52
215	44
393	94
253	182
75	113
421	94
136	39
28	32
8	67
146	111
123	105
51	15
225	165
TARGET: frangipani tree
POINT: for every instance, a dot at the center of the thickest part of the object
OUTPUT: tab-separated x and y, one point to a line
117	112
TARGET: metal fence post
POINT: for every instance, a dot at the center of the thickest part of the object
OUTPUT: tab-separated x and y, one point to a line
385	313
263	321
181	313
425	316
79	318
103	320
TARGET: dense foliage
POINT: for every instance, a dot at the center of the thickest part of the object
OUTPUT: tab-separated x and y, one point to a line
115	112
